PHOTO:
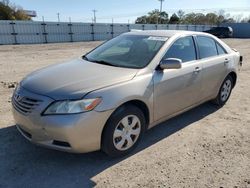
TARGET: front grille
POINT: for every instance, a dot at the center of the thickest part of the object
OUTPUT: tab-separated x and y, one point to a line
24	105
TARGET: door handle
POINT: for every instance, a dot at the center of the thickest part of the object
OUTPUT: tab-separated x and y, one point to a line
197	70
226	61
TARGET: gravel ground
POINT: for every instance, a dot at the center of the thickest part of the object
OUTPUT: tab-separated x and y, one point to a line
205	147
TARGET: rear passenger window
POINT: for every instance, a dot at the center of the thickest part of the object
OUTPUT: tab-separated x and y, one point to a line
220	49
183	49
207	47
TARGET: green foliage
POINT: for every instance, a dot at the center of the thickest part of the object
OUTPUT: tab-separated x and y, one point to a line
174	19
8	12
155	17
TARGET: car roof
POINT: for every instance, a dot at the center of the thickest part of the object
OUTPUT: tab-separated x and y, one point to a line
164	33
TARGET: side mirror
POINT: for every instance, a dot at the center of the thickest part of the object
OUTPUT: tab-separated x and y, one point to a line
170	63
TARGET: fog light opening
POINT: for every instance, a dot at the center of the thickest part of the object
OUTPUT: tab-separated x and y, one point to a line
60	143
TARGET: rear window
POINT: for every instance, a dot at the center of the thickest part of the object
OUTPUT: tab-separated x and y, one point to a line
207	47
220	49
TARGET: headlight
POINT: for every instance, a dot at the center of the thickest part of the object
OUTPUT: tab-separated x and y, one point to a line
72	107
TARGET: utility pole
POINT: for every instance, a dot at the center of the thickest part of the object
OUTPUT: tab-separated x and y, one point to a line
161	5
161	1
58	17
94	11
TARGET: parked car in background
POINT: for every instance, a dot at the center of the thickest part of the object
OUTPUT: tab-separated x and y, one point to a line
221	32
109	97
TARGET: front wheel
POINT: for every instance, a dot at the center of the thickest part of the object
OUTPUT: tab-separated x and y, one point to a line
123	131
225	91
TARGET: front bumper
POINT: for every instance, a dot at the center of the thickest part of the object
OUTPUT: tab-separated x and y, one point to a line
78	133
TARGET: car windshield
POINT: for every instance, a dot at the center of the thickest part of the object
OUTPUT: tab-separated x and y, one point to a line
130	51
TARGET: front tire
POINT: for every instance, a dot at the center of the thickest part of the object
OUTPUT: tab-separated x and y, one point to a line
225	91
123	131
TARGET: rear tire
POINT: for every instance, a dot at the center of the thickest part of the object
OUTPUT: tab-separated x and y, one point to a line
123	131
225	92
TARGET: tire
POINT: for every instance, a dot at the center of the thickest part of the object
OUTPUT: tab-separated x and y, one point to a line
225	92
118	134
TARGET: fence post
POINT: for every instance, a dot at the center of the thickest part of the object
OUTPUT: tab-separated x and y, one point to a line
44	32
128	27
112	30
13	31
70	32
92	32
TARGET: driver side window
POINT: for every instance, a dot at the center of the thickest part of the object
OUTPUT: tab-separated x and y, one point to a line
183	49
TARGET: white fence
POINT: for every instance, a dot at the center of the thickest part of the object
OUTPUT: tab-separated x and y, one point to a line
30	32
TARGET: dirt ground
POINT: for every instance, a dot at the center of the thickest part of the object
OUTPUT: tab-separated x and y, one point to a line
205	147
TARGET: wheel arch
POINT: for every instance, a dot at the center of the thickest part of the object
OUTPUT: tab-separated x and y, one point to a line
234	77
139	104
142	106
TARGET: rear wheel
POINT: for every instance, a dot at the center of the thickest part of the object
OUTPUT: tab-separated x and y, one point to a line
225	91
123	131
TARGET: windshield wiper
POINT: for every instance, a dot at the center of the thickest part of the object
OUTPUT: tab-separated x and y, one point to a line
98	61
85	58
103	62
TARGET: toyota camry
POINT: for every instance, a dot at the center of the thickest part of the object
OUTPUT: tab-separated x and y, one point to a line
107	99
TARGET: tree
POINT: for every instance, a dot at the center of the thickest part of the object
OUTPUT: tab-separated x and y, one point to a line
181	15
220	19
163	18
189	18
238	17
141	20
229	20
153	17
211	18
174	19
200	19
12	12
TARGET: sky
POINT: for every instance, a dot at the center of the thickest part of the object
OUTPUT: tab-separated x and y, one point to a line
124	11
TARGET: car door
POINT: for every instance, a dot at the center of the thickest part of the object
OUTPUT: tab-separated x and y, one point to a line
215	61
177	89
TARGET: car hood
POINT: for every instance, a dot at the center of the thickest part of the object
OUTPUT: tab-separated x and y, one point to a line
74	79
